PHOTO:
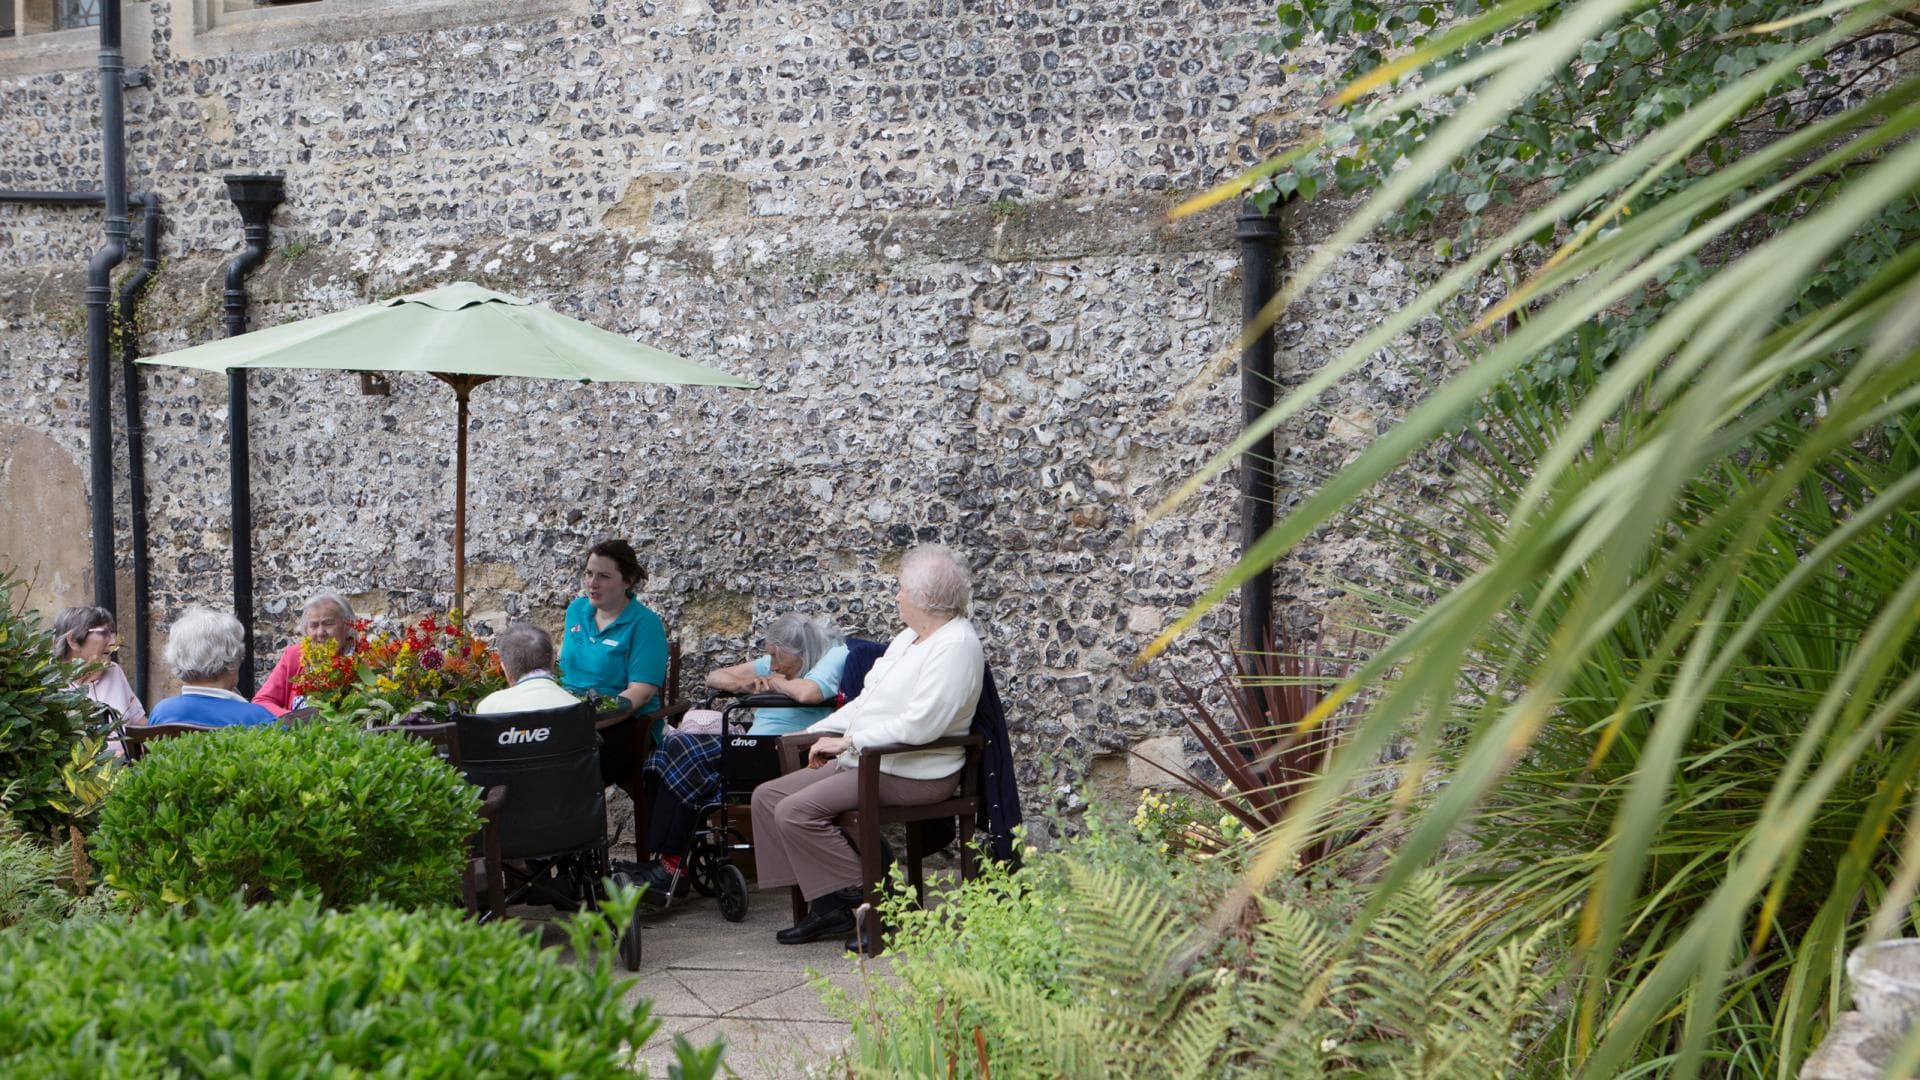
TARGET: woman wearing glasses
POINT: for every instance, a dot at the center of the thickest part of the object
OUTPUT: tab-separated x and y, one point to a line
87	635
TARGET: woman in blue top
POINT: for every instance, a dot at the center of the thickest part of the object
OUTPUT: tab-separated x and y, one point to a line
204	649
615	646
804	660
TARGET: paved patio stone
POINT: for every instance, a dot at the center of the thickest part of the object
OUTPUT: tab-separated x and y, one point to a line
709	978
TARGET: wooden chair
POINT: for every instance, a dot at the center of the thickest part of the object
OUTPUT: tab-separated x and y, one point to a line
863	824
443	737
673	708
137	736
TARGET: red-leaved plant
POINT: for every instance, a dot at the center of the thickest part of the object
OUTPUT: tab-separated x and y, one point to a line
1265	758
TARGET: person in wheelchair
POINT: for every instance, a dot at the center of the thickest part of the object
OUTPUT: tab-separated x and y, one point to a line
925	687
526	655
804	660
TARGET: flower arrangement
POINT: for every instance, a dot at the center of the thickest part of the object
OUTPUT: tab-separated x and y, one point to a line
428	667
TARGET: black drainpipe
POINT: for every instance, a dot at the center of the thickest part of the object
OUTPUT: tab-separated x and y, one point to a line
113	157
1259	279
255	196
136	429
137	465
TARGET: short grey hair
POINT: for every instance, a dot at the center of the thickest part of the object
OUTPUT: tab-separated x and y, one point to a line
935	579
810	639
524	647
74	621
334	598
204	645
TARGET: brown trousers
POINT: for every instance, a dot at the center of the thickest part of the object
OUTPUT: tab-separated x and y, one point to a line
795	840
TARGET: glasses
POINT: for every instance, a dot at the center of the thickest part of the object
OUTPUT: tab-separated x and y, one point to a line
107	630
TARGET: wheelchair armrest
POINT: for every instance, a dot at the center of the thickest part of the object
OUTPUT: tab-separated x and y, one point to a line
769	701
793	749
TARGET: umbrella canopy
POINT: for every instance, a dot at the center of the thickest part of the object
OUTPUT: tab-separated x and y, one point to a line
463	335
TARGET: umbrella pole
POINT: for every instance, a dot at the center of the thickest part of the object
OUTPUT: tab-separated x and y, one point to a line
460	391
462	386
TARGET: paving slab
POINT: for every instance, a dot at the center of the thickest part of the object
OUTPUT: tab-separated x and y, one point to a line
709	978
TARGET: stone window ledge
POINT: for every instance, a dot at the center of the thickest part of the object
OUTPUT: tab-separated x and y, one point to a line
201	29
57	50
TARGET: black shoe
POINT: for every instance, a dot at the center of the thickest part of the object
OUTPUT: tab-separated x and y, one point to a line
663	886
816	925
830	915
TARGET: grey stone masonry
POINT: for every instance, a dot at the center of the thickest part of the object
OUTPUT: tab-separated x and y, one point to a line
935	231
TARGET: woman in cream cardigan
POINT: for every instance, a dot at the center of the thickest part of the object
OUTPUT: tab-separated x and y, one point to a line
924	688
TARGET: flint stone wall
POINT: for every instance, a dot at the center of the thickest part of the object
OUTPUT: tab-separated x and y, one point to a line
935	232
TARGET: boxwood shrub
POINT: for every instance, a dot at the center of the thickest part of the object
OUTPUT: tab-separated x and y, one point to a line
266	812
41	715
291	990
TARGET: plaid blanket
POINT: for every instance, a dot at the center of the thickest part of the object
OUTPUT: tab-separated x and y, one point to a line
688	766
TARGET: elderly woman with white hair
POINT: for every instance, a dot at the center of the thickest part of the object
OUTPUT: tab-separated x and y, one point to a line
925	687
325	617
204	649
804	660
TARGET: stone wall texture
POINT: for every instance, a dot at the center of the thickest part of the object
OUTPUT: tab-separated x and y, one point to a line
934	231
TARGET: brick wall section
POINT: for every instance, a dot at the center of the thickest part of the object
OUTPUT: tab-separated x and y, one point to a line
934	231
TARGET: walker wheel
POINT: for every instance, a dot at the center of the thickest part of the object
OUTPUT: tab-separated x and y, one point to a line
733	893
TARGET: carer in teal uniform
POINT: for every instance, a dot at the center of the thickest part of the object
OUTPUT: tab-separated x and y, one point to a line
615	645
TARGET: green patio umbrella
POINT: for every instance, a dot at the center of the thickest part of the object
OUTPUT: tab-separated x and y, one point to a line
463	335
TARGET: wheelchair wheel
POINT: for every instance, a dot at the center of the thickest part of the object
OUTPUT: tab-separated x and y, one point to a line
700	870
630	946
732	893
629	941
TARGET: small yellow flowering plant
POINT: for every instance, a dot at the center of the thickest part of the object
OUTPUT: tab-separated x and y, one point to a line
1178	825
430	667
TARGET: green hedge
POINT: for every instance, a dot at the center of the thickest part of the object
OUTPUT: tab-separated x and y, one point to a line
290	990
41	715
268	812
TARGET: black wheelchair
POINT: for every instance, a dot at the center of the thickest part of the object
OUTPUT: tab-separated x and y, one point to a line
744	763
545	841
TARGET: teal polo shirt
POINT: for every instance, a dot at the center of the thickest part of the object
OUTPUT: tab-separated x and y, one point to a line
632	649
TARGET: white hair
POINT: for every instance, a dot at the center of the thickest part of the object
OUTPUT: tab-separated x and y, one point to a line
203	645
334	598
937	582
809	639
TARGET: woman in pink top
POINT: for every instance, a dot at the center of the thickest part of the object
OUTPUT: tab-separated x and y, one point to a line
87	634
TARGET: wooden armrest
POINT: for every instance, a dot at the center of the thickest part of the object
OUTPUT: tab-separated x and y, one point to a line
492	801
937	744
673	713
793	749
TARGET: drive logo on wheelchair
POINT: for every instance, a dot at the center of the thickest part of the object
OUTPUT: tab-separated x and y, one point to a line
516	736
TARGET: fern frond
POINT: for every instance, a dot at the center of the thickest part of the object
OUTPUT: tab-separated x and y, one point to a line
1133	957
